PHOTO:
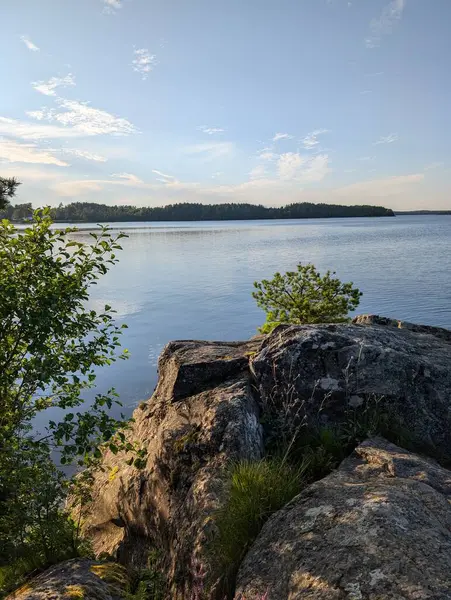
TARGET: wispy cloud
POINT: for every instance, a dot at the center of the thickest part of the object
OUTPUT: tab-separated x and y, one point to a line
376	74
28	153
364	92
84	154
292	166
282	136
111	6
385	24
35	131
163	177
210	151
128	177
366	158
48	87
267	154
210	130
311	139
144	62
388	139
29	44
289	165
83	119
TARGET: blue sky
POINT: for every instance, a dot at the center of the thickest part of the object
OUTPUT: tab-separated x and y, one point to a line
151	102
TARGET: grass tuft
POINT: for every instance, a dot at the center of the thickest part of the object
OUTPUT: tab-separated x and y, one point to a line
257	490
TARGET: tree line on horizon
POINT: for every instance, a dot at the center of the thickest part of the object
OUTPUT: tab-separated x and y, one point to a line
93	212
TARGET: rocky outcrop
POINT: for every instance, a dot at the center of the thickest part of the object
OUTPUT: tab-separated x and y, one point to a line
318	372
201	416
377	528
206	413
77	579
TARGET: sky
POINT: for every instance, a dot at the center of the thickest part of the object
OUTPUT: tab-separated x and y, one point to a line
151	102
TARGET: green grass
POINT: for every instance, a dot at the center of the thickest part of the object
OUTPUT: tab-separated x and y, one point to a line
257	490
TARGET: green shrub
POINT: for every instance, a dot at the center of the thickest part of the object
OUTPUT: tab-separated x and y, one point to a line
51	345
304	296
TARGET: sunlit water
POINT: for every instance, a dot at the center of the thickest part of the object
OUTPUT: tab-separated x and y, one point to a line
194	280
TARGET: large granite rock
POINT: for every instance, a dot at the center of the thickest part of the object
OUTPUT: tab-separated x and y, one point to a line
77	579
206	412
318	372
377	528
201	416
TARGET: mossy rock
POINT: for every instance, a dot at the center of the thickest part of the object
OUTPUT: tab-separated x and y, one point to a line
77	579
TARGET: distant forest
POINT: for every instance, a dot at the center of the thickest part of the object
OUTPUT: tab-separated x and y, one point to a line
90	212
423	212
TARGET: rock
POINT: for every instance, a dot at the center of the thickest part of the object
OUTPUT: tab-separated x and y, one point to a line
77	579
201	416
377	528
205	413
318	372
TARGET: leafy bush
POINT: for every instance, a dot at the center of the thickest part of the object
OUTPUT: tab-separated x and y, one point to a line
304	296
50	345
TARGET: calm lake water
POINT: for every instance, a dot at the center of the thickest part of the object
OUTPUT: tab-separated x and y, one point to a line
194	280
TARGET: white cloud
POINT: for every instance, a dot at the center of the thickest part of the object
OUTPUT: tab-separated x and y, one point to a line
163	177
366	158
282	136
292	166
35	131
388	139
210	151
29	44
377	74
128	177
364	92
84	119
385	24
48	88
289	165
267	154
84	154
27	153
144	62
111	6
210	130
311	139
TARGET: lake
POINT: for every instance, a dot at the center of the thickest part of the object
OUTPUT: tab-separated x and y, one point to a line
194	280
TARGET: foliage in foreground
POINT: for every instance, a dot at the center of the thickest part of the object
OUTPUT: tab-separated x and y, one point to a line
51	344
257	490
304	296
